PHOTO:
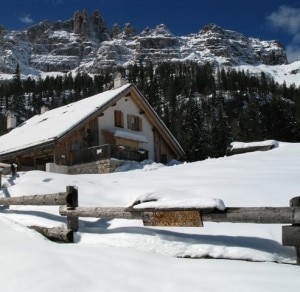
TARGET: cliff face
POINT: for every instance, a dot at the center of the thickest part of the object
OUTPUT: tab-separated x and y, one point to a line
85	42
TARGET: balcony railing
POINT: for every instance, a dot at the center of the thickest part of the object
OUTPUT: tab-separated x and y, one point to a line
108	151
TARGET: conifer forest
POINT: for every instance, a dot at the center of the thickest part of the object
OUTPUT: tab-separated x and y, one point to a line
206	108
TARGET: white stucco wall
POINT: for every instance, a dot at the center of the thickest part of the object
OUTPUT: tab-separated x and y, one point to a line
127	106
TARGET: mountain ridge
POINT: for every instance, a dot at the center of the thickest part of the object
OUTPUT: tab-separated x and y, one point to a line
85	43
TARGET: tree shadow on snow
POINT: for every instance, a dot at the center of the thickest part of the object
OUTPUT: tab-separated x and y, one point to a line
41	214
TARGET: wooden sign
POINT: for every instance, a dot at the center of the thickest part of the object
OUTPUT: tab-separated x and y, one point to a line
184	218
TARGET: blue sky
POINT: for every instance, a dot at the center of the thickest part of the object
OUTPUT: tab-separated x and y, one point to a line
264	19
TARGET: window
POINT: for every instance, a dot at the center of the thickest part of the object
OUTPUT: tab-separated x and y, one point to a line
134	123
119	119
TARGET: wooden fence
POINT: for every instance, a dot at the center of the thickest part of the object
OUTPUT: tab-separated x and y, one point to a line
180	217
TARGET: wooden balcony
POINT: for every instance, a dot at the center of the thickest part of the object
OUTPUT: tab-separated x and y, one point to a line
107	151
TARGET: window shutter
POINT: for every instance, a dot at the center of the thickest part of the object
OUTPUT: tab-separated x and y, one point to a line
118	119
128	121
122	120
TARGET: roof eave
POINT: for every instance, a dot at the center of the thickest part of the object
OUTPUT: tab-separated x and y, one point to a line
19	152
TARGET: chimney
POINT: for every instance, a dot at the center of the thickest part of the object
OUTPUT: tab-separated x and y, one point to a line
119	80
44	109
11	120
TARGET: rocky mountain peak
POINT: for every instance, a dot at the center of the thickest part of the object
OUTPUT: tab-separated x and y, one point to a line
36	31
85	42
212	28
90	26
160	30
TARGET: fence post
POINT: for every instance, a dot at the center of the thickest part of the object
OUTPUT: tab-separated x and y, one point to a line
295	202
291	233
72	222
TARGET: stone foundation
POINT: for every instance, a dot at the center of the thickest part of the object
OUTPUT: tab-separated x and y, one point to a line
101	166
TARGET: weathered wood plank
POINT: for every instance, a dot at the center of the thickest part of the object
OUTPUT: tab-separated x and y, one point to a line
183	218
100	212
55	234
72	222
297	248
62	198
294	202
291	235
259	215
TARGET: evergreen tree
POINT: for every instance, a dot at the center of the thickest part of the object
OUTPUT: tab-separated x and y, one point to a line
251	126
3	129
18	99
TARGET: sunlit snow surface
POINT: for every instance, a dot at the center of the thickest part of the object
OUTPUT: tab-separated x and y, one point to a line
123	255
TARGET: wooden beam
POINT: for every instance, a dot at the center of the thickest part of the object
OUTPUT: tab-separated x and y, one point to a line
56	234
63	198
182	218
100	212
40	200
291	235
260	215
72	222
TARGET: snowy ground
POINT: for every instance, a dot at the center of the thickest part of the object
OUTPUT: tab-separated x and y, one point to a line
123	255
288	74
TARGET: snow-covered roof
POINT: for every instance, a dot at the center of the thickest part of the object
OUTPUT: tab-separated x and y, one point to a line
53	124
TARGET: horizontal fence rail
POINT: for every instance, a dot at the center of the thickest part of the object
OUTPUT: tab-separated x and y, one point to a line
180	217
258	215
64	198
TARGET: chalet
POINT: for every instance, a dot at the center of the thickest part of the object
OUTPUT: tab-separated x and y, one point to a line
93	135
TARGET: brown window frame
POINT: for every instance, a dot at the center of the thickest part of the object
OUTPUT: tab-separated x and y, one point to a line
118	117
134	123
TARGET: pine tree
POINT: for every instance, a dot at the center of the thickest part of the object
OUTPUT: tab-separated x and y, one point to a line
17	104
2	124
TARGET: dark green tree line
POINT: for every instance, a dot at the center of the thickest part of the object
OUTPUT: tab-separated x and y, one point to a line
205	107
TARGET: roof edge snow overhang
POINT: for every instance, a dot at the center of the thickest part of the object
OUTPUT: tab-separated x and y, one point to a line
31	149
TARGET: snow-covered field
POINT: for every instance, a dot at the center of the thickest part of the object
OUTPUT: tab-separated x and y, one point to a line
123	255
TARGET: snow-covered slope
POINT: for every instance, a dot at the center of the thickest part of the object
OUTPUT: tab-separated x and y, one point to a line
123	255
288	73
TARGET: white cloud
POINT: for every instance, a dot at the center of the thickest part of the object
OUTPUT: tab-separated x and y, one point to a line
27	19
288	19
293	52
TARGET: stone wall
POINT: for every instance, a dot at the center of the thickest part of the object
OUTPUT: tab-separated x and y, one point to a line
101	166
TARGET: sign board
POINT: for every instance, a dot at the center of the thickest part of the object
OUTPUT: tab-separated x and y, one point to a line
185	218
